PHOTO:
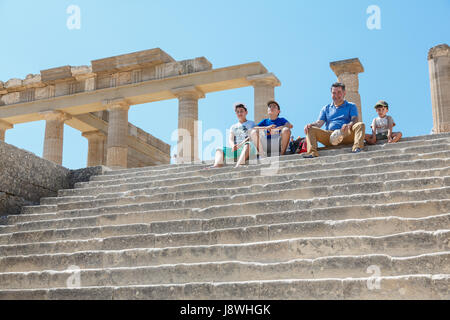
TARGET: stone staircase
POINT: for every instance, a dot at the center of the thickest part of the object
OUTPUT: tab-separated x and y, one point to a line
374	225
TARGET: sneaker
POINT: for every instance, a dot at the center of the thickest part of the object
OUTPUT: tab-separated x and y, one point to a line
308	156
357	150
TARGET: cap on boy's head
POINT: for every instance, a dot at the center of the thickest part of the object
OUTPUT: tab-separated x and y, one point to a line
239	105
273	102
382	103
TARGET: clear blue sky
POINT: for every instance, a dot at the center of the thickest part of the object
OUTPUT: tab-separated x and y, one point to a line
296	40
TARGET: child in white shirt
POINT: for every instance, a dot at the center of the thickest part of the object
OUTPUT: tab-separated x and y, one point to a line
382	126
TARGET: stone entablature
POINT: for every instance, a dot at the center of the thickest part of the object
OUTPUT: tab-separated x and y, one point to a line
103	73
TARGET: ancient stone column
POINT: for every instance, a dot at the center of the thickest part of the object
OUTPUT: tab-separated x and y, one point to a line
3	127
347	72
117	145
439	65
96	141
264	90
54	134
187	150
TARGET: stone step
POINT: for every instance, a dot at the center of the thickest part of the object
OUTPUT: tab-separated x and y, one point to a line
343	161
116	215
321	228
236	186
402	244
207	198
247	179
417	287
142	223
443	145
331	151
292	188
234	271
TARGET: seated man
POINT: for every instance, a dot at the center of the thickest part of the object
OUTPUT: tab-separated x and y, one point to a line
274	131
239	140
339	115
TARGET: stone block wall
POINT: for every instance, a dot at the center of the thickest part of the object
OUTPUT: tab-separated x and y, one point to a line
26	178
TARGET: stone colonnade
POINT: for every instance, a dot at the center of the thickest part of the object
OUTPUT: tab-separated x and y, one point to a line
439	67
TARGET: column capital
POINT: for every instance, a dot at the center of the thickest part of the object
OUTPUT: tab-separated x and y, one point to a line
442	50
347	66
188	92
268	79
55	115
4	125
94	135
117	103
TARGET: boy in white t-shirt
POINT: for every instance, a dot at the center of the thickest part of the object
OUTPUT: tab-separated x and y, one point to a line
239	140
382	126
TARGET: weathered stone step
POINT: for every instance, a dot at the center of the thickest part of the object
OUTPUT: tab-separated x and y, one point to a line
283	174
236	186
154	239
403	244
417	287
336	187
404	143
111	215
161	222
295	160
283	191
234	271
343	161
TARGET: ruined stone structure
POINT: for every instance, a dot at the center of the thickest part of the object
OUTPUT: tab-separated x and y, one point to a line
347	72
439	65
372	225
79	97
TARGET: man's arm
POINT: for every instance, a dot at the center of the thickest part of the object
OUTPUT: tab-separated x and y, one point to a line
350	124
318	124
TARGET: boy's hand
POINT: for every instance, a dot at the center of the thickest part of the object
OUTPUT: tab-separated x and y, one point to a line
275	130
235	147
270	128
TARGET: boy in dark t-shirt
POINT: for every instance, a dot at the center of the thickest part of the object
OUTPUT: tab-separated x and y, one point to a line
274	130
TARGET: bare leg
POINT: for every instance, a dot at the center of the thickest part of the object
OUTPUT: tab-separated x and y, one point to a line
218	160
254	137
285	137
396	136
244	156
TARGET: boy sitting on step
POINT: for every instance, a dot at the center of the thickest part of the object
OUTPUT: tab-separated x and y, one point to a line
382	126
272	135
241	147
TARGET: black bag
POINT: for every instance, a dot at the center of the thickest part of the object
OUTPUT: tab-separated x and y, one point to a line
296	146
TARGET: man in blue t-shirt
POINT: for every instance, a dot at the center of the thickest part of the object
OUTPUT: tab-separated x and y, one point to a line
339	115
273	131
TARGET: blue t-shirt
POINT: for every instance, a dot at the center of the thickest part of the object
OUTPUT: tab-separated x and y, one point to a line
277	122
335	118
